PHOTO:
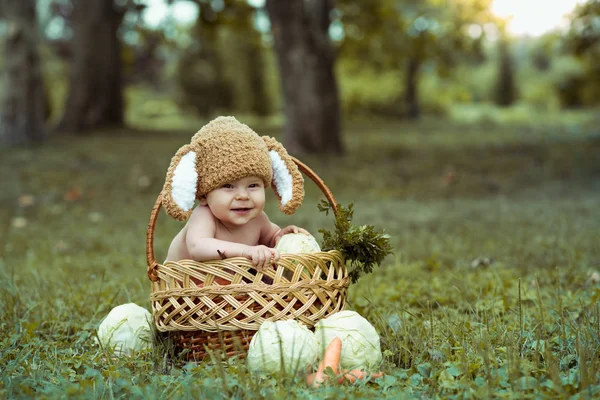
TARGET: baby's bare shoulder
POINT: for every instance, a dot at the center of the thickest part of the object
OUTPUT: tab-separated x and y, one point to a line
201	216
201	212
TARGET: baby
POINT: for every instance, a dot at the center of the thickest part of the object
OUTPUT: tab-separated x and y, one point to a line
227	167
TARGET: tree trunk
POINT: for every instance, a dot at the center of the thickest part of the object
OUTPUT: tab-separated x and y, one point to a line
23	108
306	67
252	56
260	104
505	91
200	73
413	110
95	98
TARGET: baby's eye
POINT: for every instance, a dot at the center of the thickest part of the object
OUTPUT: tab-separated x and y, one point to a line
227	186
254	185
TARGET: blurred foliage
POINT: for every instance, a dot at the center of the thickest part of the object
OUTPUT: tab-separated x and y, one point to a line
199	74
583	41
224	63
403	37
385	33
200	81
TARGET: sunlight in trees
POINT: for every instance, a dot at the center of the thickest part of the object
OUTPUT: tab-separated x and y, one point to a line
534	17
184	12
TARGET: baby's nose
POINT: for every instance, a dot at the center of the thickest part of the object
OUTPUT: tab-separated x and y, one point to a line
241	194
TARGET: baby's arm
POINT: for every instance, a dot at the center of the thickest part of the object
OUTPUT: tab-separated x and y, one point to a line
202	245
200	239
272	232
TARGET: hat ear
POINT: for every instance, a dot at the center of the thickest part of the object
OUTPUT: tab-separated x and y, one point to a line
287	182
179	192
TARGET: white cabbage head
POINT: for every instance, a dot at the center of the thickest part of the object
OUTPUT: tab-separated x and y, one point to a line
360	342
126	329
281	345
297	243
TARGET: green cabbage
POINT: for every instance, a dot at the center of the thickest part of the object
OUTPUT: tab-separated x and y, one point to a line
282	345
126	329
360	342
297	243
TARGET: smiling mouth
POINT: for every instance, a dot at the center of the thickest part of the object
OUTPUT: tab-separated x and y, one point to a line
241	209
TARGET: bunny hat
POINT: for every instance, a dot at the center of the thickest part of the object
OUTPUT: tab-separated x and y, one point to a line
225	150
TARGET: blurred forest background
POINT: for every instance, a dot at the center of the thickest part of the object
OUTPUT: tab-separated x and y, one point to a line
76	65
469	136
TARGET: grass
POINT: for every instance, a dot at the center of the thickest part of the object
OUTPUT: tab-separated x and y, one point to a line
489	293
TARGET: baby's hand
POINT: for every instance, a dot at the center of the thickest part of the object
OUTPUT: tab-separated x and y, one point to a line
288	229
262	256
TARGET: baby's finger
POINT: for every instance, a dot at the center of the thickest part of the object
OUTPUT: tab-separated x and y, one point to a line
255	259
262	260
268	258
275	257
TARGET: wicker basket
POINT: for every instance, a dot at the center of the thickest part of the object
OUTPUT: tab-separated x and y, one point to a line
224	317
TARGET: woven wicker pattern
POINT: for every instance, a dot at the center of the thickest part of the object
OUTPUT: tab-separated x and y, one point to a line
316	289
223	344
220	304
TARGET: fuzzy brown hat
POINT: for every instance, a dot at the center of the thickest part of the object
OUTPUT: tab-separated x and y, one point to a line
225	150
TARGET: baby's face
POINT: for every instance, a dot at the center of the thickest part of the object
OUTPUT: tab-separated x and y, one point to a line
236	203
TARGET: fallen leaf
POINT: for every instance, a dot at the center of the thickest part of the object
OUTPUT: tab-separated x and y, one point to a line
449	176
26	200
73	194
19	222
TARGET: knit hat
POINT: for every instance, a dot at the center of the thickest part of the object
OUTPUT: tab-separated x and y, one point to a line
225	150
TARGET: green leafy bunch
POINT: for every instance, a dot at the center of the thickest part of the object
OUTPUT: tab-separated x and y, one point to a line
362	246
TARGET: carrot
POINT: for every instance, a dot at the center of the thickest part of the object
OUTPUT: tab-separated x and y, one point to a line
331	359
332	355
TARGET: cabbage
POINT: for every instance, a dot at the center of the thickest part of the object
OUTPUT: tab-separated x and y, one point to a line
126	329
282	345
297	243
360	341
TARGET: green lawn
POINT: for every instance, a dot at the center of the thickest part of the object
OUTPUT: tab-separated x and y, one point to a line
74	215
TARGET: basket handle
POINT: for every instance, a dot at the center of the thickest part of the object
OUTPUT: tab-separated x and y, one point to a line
151	260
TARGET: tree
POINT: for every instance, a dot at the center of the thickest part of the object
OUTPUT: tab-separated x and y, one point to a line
505	92
583	41
407	34
95	96
249	41
200	73
306	68
23	106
